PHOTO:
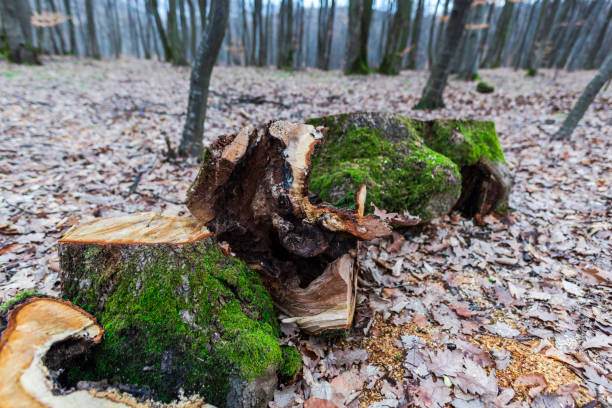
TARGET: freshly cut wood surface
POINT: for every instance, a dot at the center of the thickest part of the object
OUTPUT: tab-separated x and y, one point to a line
33	328
141	228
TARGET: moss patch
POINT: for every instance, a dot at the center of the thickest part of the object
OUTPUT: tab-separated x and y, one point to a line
484	87
400	172
292	362
191	319
464	141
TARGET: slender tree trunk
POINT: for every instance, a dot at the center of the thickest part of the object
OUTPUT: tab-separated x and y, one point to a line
561	31
604	74
578	31
590	38
330	33
321	32
396	39
16	33
416	37
144	35
537	43
494	54
245	32
433	93
518	57
286	48
192	27
203	63
432	28
184	33
256	35
202	6
440	32
71	32
161	31
471	56
39	30
57	29
133	30
117	24
82	27
590	61
360	17
264	33
91	29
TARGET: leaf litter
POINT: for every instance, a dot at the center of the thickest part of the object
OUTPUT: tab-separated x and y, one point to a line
506	310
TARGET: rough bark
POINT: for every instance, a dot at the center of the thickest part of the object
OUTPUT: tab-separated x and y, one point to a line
494	54
178	313
16	33
433	93
588	95
396	39
42	335
204	61
416	37
252	192
91	30
360	17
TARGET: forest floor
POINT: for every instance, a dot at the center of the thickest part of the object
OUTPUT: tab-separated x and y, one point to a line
511	310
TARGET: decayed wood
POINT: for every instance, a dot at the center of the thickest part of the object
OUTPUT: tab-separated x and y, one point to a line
252	192
33	328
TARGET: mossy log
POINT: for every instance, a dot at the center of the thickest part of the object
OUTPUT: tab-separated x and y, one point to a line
425	168
41	334
178	312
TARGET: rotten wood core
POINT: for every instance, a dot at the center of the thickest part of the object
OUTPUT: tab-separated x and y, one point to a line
42	334
252	192
484	186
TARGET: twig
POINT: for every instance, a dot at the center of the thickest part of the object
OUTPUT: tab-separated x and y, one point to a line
155	195
139	177
19	208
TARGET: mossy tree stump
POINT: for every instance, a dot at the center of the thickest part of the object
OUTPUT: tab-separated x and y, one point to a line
178	313
425	168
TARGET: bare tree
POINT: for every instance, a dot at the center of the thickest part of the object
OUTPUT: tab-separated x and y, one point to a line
470	58
71	31
91	30
416	36
432	28
493	57
396	39
325	31
432	94
588	95
16	34
360	17
286	47
203	63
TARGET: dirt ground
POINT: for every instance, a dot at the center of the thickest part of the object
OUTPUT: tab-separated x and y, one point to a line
510	309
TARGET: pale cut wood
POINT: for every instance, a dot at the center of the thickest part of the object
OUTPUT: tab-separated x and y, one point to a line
142	228
35	326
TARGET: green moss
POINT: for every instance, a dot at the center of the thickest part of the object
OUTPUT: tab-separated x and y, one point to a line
400	175
475	140
292	362
207	314
484	87
18	298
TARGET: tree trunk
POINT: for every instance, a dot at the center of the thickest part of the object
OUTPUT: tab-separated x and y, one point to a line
91	30
208	50
396	39
153	8
144	33
538	45
590	62
574	34
416	37
470	60
57	30
71	32
17	32
494	53
432	28
257	31
262	59
202	6
360	17
433	93
286	47
518	57
591	37
245	32
325	29
604	74
439	35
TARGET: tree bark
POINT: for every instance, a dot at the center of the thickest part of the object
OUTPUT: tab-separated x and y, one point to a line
590	62
432	29
494	53
433	93
57	30
439	35
91	30
588	95
590	37
325	30
152	7
396	39
208	51
17	32
416	37
360	17
71	31
470	60
286	49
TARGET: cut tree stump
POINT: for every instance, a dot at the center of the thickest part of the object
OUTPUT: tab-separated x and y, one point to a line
425	168
40	335
252	192
178	312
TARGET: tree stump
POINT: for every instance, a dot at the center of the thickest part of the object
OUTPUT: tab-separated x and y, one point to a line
39	336
425	168
177	311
